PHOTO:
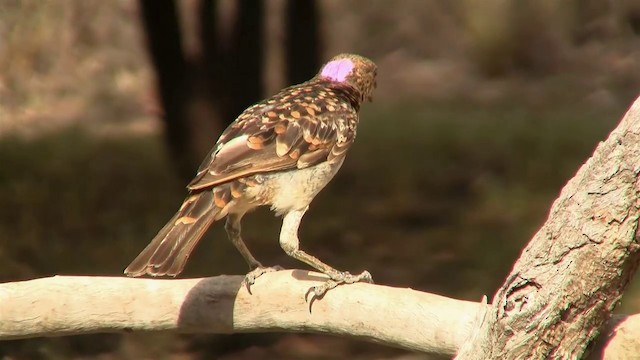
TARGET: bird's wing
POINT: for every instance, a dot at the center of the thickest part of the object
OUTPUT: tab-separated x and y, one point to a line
269	137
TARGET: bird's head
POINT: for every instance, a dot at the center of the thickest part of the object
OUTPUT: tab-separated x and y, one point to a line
354	70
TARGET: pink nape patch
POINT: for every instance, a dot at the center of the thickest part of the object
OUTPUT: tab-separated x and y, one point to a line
337	70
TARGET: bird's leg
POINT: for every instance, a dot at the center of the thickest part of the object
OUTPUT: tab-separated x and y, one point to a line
291	245
233	228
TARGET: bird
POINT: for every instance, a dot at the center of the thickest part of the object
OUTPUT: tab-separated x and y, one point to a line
280	152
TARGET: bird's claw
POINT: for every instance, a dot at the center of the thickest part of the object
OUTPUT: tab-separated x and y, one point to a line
252	275
317	292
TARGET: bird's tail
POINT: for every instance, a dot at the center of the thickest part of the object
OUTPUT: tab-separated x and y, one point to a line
168	252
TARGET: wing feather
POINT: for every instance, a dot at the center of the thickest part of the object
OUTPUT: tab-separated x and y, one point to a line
282	134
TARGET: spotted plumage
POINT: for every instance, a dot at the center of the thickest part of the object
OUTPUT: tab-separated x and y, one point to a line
279	152
299	127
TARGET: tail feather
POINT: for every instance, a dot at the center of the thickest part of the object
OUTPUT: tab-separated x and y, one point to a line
169	250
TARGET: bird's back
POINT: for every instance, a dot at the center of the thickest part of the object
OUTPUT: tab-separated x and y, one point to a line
301	126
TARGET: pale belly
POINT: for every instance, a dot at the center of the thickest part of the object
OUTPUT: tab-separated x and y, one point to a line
291	190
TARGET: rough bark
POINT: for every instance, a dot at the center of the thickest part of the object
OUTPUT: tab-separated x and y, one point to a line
405	318
574	271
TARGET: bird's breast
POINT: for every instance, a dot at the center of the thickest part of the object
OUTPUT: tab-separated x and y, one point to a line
293	189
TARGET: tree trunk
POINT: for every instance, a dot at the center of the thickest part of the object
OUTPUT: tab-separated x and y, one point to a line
574	271
204	90
164	43
303	40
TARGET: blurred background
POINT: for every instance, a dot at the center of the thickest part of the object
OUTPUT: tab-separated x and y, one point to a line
484	109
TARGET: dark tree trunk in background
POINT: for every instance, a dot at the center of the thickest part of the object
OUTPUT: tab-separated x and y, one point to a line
203	91
213	62
303	40
233	68
244	79
164	43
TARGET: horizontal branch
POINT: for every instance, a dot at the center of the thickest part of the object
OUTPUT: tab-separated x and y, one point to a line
64	305
405	318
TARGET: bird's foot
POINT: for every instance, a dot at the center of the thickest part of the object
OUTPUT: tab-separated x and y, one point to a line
339	278
258	271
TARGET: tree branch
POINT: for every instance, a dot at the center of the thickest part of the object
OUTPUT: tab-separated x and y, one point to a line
405	318
574	271
65	305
